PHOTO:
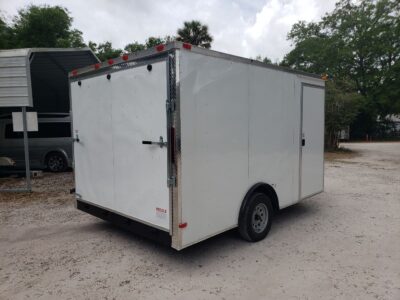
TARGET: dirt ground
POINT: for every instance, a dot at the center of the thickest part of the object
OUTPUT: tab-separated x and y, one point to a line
341	244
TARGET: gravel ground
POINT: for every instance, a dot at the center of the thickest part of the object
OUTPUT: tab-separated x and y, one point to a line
342	244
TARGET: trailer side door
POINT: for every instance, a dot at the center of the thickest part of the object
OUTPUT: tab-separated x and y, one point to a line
312	140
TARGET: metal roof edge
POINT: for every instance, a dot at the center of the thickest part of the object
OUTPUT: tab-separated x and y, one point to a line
27	51
65	50
139	55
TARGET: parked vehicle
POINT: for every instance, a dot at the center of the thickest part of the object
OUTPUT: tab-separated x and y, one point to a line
182	143
6	162
49	148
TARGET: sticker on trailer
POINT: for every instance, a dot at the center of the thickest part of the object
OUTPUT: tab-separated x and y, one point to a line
161	212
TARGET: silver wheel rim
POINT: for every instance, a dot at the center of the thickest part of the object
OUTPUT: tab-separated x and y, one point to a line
56	163
259	218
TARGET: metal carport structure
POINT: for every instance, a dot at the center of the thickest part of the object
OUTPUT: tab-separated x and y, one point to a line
36	79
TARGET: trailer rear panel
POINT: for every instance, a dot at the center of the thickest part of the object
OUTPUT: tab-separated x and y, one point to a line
114	169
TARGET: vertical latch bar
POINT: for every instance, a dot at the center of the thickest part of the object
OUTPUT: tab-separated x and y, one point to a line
171	181
170	103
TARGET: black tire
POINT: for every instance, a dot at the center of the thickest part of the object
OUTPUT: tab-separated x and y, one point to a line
256	217
56	162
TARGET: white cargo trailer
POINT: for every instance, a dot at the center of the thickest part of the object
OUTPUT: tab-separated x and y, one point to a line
181	143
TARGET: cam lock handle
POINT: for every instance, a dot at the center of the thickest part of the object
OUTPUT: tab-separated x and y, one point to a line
160	143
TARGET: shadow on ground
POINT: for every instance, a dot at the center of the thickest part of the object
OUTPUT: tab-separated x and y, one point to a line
213	248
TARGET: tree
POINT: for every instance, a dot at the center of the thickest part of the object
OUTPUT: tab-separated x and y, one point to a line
150	42
6	35
342	104
265	60
105	50
154	41
359	42
92	46
195	33
74	40
45	26
134	47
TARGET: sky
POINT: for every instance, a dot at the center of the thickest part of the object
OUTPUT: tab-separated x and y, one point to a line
245	28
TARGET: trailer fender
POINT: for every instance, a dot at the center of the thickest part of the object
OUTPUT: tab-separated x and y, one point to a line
264	188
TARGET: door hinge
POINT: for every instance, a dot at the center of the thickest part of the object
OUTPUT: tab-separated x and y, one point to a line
171	181
170	105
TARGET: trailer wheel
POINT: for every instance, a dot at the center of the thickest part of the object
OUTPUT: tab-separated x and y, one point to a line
256	217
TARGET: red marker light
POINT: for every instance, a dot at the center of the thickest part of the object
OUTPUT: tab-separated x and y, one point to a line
182	225
160	48
110	61
74	72
96	66
125	57
187	46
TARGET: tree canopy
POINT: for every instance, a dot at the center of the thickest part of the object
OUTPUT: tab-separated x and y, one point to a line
358	42
134	47
5	35
44	26
104	50
195	33
51	27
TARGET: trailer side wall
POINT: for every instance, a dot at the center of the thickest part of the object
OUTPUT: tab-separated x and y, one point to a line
240	125
214	143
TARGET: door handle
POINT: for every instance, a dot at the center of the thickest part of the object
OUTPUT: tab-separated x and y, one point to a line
160	143
303	142
76	138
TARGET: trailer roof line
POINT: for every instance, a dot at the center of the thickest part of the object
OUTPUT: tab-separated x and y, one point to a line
161	48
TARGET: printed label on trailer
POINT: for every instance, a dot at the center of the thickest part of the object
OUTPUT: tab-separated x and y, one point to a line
161	212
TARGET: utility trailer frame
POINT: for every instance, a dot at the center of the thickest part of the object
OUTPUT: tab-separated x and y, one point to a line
191	147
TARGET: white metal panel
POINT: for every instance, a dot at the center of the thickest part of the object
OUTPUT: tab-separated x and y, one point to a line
93	155
113	169
273	134
140	171
31	121
214	143
312	166
15	82
240	125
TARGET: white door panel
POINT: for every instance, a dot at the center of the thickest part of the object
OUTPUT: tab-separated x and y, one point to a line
93	154
312	161
112	166
139	114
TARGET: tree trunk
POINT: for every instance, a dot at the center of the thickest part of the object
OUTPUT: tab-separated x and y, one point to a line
331	141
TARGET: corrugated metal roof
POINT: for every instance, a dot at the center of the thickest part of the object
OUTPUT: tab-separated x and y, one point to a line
14	78
50	66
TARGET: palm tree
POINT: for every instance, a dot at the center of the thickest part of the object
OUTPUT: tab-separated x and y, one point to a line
195	33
